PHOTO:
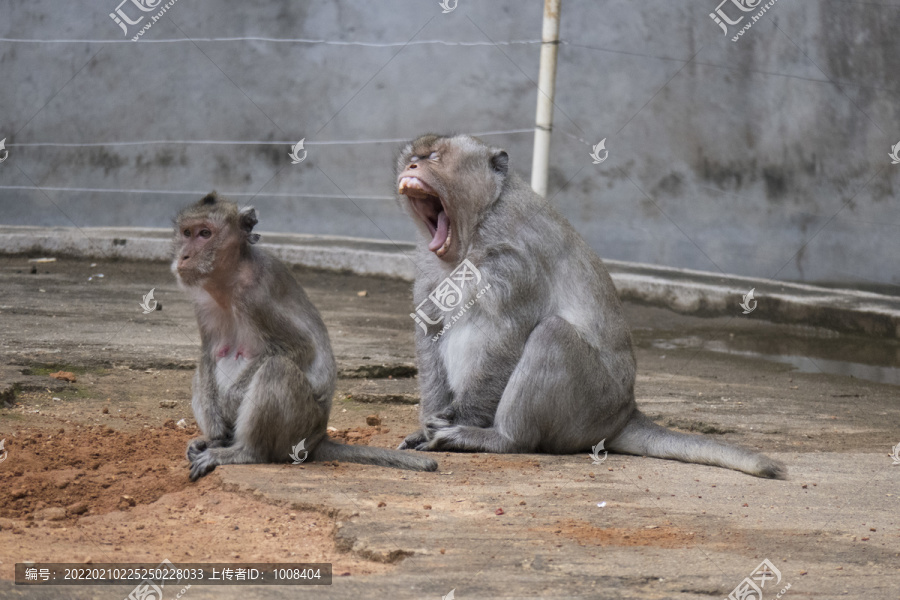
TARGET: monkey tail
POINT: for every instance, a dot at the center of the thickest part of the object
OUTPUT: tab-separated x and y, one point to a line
366	455
643	437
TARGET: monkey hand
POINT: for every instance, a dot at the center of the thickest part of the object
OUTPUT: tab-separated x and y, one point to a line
419	440
413	440
434	425
203	464
438	421
446	438
200	457
195	447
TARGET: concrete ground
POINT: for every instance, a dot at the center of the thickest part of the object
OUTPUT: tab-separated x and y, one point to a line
512	526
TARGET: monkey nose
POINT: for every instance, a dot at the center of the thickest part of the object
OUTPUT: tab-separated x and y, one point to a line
413	166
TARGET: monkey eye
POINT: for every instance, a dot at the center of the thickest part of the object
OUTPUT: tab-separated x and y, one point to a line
187	233
433	156
205	233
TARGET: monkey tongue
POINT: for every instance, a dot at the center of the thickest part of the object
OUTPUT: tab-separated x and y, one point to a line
441	240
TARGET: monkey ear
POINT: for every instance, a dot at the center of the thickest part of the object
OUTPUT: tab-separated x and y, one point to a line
210	198
500	162
247	220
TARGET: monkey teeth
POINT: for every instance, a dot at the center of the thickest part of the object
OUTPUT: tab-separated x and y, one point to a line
426	203
414	187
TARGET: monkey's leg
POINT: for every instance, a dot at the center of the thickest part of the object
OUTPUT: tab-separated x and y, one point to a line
277	412
559	399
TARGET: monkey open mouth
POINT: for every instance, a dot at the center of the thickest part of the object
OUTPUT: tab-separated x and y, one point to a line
427	204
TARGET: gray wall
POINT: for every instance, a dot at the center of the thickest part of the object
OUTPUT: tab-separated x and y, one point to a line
765	157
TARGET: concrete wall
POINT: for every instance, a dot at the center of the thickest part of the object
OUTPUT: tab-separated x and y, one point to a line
763	157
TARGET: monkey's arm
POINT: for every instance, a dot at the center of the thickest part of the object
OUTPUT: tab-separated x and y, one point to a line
435	392
483	371
206	406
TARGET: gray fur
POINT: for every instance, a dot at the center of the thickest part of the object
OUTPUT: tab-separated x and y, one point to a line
543	361
266	375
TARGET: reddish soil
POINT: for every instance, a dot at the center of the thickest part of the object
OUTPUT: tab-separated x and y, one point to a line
91	493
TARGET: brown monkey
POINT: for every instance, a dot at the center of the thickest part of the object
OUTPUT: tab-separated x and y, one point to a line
266	374
542	362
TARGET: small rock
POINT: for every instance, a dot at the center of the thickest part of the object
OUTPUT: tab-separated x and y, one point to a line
169	424
426	506
373	420
64	376
381	505
105	410
53	513
167	403
499	512
128	500
181	424
79	508
362	294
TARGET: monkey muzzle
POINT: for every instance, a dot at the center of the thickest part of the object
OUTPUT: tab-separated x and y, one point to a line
427	205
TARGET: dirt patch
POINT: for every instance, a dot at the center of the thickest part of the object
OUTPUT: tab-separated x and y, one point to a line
91	493
90	470
356	435
664	536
